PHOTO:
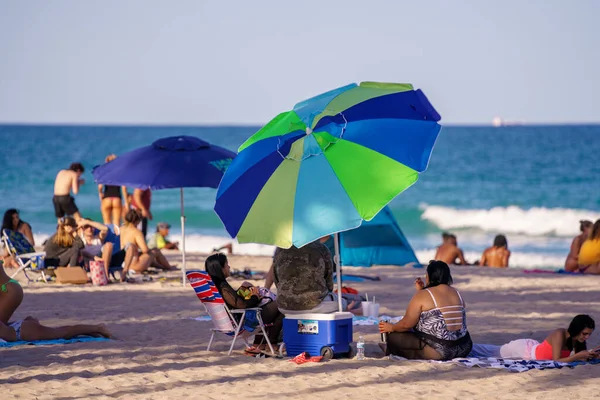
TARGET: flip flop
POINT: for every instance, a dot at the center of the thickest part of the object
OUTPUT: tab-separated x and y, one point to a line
253	350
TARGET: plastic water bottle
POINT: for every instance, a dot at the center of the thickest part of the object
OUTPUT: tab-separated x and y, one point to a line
360	348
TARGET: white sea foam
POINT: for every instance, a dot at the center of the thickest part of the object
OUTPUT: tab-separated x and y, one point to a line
517	259
535	221
204	244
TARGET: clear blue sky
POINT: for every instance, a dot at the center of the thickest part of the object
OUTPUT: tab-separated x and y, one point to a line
219	62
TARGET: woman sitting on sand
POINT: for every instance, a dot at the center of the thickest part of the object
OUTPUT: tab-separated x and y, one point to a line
589	254
29	329
218	268
434	326
564	345
133	242
64	247
572	261
496	256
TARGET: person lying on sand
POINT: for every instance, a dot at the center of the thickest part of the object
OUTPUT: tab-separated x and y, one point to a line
563	345
449	251
434	326
589	254
29	328
132	239
572	261
497	255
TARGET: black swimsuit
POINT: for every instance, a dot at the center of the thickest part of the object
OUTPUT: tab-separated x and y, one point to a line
112	191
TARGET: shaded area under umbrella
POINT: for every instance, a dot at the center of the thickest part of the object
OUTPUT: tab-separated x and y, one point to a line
168	163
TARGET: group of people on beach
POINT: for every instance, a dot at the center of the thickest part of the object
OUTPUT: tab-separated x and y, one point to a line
434	325
584	255
118	242
495	256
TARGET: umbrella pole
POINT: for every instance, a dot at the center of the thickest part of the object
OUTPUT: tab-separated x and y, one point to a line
338	268
182	240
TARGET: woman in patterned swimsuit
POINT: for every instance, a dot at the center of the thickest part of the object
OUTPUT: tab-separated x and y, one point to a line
434	326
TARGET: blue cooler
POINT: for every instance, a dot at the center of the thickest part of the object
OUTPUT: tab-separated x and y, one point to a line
328	335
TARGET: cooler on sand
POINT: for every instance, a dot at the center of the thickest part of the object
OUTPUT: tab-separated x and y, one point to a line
328	335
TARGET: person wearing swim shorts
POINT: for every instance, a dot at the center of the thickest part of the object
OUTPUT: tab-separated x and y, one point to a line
67	180
29	328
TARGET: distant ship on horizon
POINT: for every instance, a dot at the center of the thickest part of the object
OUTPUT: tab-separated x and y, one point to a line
498	122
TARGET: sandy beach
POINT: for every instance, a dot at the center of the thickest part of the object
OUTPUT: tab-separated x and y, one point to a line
160	352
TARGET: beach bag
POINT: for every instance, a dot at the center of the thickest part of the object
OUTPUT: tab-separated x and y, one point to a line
98	273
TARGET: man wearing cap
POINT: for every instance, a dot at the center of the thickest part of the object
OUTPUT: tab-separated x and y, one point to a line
160	239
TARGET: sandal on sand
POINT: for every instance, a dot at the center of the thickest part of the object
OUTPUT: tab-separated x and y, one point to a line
253	350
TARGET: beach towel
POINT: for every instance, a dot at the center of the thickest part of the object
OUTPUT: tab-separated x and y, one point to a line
4	343
548	271
362	320
506	364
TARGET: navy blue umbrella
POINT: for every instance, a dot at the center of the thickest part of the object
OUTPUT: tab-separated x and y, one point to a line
172	162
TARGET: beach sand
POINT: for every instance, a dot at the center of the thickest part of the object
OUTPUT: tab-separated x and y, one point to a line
160	352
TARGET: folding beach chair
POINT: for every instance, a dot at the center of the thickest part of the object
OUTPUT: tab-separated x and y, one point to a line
221	316
24	253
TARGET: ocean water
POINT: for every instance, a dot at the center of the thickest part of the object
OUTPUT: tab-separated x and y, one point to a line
531	183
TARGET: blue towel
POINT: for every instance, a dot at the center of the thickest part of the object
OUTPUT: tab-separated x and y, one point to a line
57	341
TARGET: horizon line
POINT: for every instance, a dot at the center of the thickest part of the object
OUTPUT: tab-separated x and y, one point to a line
254	125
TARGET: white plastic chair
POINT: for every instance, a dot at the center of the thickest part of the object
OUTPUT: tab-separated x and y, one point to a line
18	246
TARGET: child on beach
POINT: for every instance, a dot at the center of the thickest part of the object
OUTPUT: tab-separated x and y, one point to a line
160	240
67	180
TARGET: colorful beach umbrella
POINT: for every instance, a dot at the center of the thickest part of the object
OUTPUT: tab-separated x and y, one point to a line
171	162
325	166
330	163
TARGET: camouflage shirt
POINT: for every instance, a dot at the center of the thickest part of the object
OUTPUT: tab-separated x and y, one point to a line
303	276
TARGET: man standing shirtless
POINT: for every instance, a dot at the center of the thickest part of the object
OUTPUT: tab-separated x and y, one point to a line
67	180
448	252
